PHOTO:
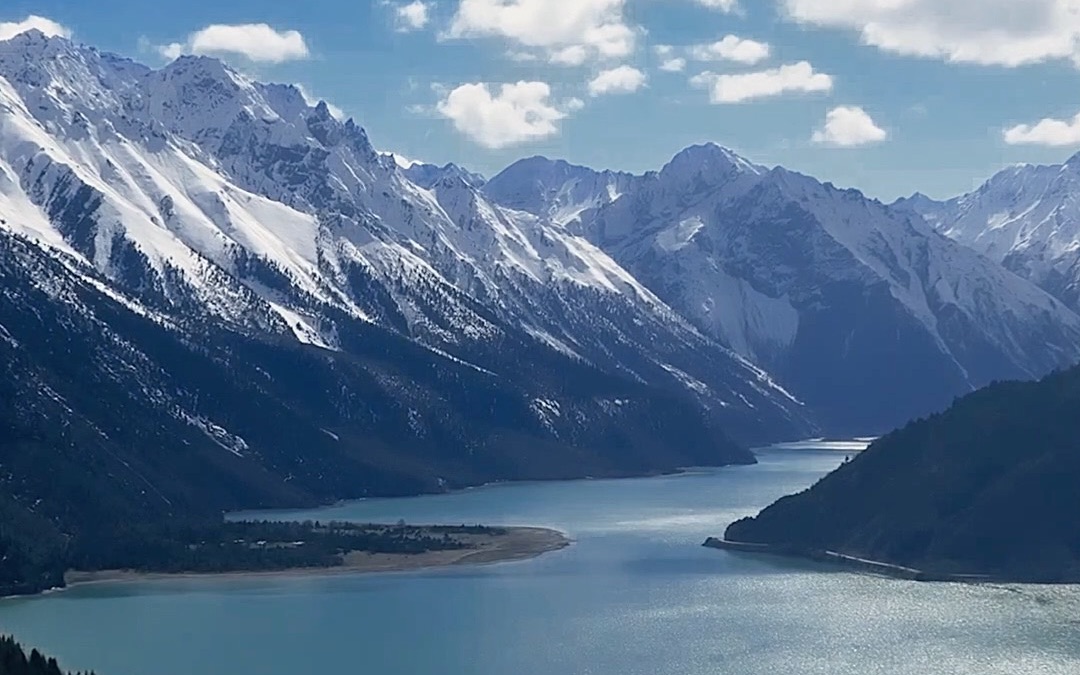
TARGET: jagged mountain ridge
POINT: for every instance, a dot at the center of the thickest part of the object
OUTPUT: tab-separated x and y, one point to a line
427	175
241	199
860	309
557	191
1026	217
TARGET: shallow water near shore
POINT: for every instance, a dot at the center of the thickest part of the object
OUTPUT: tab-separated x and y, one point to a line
635	594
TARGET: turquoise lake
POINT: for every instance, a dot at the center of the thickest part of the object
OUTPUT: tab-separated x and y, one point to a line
635	595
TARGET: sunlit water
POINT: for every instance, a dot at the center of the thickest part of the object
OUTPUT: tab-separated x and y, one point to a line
636	594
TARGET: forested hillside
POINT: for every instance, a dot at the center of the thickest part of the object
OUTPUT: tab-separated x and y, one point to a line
987	488
15	661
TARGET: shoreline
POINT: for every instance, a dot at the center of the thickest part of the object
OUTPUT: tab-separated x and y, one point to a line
518	544
753	449
876	567
287	514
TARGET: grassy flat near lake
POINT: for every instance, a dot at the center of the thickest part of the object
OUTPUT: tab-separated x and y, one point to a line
443	546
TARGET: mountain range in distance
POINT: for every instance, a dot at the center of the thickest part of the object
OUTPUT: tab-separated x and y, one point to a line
863	311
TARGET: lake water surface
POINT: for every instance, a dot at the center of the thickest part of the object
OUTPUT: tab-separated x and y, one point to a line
635	595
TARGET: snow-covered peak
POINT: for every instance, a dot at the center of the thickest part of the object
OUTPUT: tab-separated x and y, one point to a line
917	203
287	100
36	44
57	78
802	186
1072	163
809	280
555	189
427	175
707	163
200	97
1026	217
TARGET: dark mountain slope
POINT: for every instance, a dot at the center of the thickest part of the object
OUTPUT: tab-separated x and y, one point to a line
109	417
988	487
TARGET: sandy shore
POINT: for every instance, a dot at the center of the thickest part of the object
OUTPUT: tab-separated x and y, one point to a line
519	543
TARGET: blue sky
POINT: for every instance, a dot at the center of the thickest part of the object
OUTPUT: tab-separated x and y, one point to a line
930	95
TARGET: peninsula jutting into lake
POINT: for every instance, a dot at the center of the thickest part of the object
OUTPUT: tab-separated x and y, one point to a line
357	549
986	491
243	548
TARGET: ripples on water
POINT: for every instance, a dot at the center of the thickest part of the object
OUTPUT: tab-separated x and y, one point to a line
636	595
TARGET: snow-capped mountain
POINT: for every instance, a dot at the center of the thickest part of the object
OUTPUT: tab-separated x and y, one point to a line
1025	217
112	412
861	310
209	200
427	175
757	298
555	190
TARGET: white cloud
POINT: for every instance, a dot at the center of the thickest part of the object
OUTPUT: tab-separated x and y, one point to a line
522	57
597	28
253	41
574	55
573	105
514	114
726	6
676	65
738	88
9	29
849	127
413	16
1049	131
669	61
171	51
732	48
621	80
988	32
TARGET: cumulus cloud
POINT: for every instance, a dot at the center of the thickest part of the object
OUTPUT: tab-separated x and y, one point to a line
588	28
621	80
254	41
413	16
574	55
849	127
669	61
732	48
509	115
727	88
173	50
1050	132
9	29
676	65
987	32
